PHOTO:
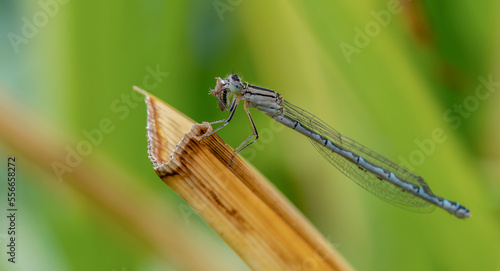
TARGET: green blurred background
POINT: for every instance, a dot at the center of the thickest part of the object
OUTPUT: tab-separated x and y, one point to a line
388	74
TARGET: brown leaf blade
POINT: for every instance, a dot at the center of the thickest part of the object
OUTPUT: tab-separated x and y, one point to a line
255	219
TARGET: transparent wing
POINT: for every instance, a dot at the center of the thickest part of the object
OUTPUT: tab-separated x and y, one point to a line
380	188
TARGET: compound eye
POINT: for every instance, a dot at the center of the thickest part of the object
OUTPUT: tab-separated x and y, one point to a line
235	87
235	77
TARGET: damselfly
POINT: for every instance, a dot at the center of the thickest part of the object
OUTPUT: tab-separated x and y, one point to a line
368	169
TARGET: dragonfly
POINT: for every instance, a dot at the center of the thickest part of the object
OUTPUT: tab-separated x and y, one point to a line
370	170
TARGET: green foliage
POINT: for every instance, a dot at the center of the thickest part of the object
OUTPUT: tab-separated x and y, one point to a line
383	73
